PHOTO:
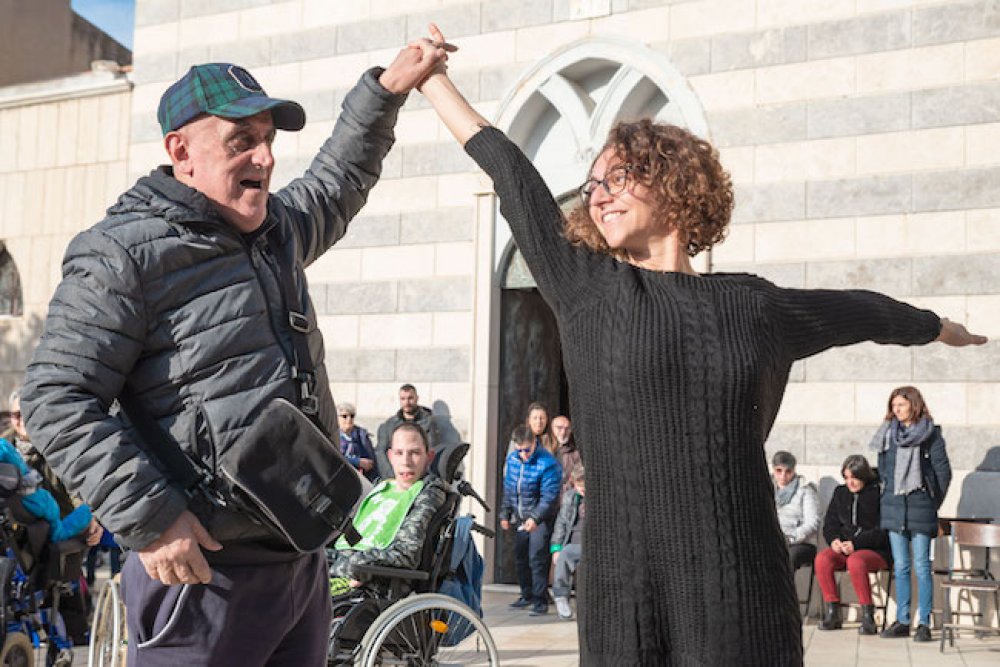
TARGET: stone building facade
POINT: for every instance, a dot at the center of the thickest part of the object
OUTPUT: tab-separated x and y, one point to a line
863	137
45	39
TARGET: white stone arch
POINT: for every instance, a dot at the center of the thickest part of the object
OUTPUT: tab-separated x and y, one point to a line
559	112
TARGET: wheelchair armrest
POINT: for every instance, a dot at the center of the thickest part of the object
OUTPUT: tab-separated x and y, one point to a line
367	572
73	545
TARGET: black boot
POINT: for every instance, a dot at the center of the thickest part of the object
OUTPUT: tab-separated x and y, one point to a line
831	621
867	620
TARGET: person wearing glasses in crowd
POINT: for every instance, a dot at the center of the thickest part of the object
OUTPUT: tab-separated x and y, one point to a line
355	443
531	485
675	381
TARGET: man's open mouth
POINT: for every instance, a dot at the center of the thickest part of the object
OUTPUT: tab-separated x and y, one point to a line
251	184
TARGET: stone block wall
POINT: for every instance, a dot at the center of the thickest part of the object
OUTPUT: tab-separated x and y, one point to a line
64	144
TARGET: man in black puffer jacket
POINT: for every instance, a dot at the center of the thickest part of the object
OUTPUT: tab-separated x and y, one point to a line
174	300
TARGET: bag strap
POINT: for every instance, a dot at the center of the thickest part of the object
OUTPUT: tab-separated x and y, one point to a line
167	452
303	368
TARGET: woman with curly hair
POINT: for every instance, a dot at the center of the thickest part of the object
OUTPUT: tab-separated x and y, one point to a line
675	380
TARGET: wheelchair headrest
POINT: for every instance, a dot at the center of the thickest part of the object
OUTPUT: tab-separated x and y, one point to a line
447	459
10	478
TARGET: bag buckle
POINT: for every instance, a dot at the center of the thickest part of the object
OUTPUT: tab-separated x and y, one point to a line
298	321
308	401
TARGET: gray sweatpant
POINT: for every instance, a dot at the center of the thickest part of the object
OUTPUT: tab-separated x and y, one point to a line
569	560
249	615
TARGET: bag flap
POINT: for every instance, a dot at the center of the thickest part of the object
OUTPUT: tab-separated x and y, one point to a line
295	474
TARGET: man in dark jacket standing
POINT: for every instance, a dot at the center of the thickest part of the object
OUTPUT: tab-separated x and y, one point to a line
531	488
176	301
410	410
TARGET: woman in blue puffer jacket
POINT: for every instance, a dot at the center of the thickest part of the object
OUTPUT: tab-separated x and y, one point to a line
914	473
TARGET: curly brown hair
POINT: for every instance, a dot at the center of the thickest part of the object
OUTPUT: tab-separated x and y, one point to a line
690	189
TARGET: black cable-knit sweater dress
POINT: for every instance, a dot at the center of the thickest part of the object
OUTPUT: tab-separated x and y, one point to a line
675	381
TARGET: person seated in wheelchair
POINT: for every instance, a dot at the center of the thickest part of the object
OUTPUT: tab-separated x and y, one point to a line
39	502
393	518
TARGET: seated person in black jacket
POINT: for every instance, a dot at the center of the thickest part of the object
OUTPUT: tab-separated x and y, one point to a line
857	544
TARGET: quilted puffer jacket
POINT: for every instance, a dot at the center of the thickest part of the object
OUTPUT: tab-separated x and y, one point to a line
531	488
165	301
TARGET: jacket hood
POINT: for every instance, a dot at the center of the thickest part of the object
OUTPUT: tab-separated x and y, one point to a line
161	195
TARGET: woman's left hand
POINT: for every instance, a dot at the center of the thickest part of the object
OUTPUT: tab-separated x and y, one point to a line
956	335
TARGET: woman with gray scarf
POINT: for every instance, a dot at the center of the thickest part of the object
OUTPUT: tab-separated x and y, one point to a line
914	473
797	502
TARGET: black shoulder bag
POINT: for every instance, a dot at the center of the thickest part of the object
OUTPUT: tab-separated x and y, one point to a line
284	471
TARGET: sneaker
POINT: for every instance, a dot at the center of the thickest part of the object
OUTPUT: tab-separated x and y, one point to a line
923	634
563	608
539	609
520	603
897	629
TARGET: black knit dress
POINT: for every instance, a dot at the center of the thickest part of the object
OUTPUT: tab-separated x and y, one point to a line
675	381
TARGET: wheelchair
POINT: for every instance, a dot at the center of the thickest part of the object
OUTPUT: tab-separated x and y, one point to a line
400	617
34	574
108	632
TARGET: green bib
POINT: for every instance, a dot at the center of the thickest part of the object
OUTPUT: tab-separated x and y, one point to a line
380	515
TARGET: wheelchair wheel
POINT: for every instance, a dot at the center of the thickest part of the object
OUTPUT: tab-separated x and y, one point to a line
428	629
108	641
17	651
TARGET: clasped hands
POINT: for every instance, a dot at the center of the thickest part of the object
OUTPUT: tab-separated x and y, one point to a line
419	60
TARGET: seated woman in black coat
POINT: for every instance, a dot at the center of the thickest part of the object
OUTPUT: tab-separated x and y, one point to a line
857	544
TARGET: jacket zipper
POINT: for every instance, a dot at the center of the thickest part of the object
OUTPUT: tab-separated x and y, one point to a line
520	476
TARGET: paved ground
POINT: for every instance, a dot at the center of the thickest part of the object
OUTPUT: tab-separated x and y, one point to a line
548	641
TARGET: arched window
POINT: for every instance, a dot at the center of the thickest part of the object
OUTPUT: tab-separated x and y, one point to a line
11	303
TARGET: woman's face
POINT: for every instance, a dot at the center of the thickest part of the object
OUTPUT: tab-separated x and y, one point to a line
854	485
902	409
345	420
537	421
783	475
626	220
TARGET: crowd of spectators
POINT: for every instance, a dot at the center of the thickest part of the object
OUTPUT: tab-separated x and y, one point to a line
878	518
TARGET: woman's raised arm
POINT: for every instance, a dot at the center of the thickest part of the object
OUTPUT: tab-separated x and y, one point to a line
455	111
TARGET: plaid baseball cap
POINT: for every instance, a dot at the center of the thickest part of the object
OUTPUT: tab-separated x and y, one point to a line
224	90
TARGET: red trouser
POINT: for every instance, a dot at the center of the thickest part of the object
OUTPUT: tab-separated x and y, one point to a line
858	564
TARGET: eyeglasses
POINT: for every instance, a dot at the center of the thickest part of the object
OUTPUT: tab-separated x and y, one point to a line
614	182
346	416
15	415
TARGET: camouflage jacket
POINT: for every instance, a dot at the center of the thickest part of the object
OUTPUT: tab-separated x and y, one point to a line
404	552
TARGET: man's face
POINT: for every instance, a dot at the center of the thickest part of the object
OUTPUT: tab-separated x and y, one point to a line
526	449
561	429
408	402
230	162
408	457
